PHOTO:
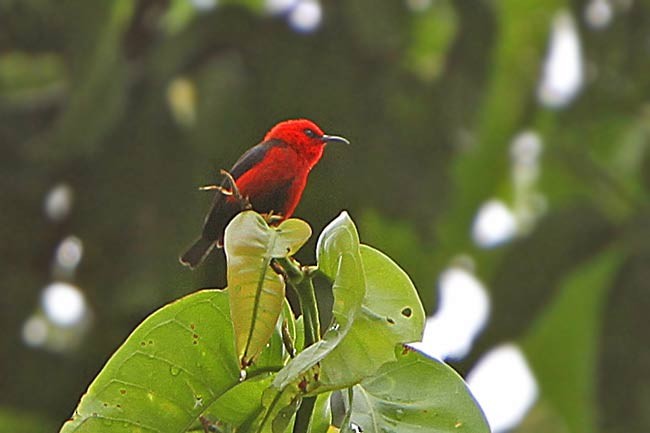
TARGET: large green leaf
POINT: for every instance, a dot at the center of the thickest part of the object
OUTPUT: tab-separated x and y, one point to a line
416	394
256	291
391	313
240	404
174	365
338	258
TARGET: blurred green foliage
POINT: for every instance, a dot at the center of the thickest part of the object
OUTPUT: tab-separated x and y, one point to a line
135	104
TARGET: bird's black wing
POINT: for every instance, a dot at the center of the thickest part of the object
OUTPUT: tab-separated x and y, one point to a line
253	156
222	211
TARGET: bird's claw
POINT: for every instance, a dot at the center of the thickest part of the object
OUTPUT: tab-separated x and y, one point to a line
272	218
244	202
221	189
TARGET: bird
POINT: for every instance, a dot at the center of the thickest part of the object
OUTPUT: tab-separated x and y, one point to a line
269	178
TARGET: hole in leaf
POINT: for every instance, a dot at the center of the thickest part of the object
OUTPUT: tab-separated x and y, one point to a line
406	312
389	320
122	391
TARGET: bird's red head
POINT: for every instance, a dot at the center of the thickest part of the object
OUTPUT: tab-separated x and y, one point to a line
304	136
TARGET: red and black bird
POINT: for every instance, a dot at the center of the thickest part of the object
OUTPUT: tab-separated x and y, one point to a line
270	176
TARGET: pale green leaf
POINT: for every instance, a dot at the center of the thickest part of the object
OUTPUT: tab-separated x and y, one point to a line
256	290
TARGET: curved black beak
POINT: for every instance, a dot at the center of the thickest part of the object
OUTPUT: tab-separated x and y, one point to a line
334	139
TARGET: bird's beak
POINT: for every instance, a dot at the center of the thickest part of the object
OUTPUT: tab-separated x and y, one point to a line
334	139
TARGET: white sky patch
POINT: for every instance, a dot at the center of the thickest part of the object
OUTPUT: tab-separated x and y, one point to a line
563	74
494	224
58	202
278	7
463	310
598	14
63	304
306	16
69	254
504	386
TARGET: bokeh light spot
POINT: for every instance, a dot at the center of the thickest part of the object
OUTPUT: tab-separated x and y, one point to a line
504	386
463	311
58	202
204	5
562	76
418	5
181	98
598	14
63	304
35	331
306	16
277	7
69	253
494	224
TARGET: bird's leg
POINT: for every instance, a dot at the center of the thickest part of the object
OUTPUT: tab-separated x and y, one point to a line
243	201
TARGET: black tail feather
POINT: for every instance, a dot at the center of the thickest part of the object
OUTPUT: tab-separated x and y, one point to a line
197	252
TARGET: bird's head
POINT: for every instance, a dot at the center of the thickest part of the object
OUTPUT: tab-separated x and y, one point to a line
305	137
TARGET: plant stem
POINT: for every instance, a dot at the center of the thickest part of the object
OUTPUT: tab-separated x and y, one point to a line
303	416
309	308
301	281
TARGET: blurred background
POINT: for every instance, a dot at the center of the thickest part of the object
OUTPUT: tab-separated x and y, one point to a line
499	154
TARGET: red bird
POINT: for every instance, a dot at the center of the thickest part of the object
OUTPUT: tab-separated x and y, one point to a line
271	175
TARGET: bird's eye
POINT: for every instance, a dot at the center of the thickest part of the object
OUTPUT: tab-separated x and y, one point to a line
310	133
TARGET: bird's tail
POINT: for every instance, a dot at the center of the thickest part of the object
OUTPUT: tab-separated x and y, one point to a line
197	252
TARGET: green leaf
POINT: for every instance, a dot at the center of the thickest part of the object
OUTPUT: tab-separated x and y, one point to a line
174	365
274	356
241	403
256	291
321	417
416	394
280	407
391	314
339	259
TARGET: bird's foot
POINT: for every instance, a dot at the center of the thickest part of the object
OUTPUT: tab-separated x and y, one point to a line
221	189
272	218
244	202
